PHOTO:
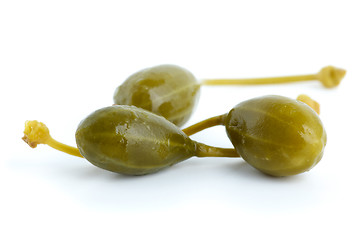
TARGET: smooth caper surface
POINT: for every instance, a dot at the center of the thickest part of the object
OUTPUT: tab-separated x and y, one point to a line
130	140
277	135
167	90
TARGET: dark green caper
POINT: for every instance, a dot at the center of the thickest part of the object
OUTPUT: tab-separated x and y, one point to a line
133	141
167	90
277	135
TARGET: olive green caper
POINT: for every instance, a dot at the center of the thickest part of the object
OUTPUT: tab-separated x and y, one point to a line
132	141
167	90
277	135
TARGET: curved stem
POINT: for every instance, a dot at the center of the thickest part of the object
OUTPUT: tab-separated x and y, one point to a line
258	81
210	122
64	148
204	150
219	120
37	133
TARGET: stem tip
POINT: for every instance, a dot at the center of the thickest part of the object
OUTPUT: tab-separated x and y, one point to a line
35	133
331	76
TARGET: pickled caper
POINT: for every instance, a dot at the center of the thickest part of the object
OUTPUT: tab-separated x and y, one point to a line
172	91
277	135
167	90
127	140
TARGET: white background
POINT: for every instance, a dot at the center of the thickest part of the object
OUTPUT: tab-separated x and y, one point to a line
61	60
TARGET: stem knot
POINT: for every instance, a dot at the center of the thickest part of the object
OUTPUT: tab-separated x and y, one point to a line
331	76
35	133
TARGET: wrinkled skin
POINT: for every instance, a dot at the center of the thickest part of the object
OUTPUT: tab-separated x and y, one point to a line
277	135
166	90
132	141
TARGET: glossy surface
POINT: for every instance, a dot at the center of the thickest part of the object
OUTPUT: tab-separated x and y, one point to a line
277	135
167	90
130	140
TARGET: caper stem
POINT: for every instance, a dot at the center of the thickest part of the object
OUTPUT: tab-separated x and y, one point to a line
210	122
220	120
64	148
37	133
310	102
329	76
258	81
204	150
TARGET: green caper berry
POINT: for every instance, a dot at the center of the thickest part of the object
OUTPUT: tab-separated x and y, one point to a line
131	141
134	141
167	90
277	135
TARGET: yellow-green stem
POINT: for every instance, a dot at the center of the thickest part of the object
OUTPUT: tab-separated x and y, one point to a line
258	81
310	102
220	120
64	148
37	133
204	150
210	122
329	76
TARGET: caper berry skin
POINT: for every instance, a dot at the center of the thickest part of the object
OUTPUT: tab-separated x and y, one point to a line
132	141
277	135
166	90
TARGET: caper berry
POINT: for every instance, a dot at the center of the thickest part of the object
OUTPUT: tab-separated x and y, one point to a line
134	141
277	135
172	91
131	141
167	90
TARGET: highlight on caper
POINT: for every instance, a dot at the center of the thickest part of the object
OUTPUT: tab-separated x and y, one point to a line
172	91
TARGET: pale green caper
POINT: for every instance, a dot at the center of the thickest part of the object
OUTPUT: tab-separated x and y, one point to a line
277	135
167	90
